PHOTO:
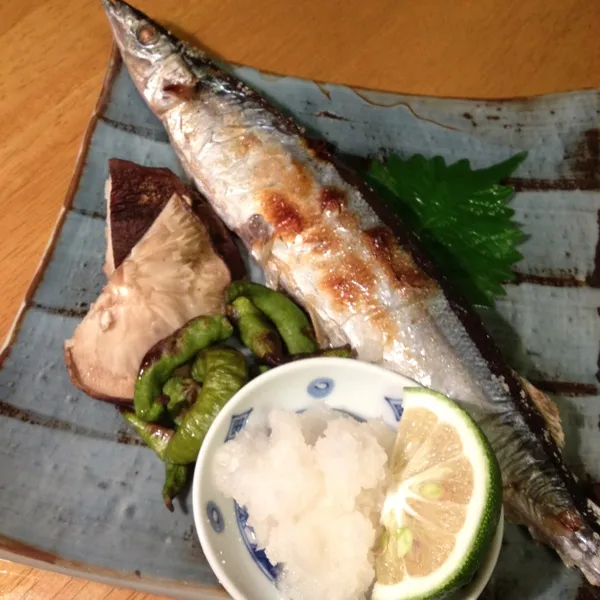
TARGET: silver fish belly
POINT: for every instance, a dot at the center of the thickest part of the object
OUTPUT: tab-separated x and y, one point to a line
326	240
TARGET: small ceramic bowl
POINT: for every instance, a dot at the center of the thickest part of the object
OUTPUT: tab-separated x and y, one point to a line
365	391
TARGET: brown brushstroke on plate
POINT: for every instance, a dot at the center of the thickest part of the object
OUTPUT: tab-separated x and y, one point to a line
530	184
60	311
47	422
594	278
330	115
565	388
584	158
92	214
551	279
156	135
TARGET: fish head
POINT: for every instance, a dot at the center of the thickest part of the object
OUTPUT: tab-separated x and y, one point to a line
139	38
150	52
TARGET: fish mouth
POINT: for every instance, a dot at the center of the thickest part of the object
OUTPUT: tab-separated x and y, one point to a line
122	12
134	31
120	8
117	12
125	18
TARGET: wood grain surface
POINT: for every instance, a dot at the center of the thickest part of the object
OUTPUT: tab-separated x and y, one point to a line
53	60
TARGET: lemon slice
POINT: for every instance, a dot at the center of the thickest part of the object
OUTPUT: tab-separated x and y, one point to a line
443	505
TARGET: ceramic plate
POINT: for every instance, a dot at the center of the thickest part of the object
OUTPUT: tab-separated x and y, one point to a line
79	493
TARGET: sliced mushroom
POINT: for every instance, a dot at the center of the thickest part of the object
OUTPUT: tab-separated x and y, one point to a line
135	195
170	276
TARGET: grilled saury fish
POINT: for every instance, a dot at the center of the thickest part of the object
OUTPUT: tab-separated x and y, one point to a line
322	235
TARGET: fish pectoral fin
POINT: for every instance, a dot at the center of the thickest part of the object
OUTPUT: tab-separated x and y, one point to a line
183	91
548	410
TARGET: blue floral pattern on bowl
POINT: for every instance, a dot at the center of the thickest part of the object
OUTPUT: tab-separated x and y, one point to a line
320	388
396	406
237	424
215	516
260	558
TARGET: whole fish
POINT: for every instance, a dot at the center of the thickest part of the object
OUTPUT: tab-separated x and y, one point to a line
321	234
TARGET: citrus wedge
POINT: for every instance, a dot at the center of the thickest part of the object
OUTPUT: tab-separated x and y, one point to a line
443	505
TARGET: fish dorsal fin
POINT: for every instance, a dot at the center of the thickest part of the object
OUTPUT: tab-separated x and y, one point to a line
548	410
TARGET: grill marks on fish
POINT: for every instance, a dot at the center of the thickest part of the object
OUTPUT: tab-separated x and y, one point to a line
285	207
333	200
385	249
350	285
283	216
303	211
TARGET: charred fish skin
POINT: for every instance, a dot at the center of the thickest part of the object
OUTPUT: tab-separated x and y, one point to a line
327	240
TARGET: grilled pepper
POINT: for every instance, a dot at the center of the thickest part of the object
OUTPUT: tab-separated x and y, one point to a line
168	354
256	332
291	322
182	393
175	480
223	372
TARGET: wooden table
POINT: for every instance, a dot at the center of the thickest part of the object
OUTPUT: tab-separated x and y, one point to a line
54	55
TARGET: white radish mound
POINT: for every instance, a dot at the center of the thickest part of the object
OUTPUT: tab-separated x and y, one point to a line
313	485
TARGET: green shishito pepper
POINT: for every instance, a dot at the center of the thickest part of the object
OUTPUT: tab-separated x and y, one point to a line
170	353
339	352
175	480
223	372
182	393
256	332
291	322
155	436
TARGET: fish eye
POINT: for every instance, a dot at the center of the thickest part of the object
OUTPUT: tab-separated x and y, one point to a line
147	34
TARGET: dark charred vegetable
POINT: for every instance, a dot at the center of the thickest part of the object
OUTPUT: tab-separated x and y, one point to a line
256	332
223	372
292	323
155	436
182	392
175	480
163	358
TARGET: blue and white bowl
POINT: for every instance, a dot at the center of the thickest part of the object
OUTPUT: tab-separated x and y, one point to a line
365	391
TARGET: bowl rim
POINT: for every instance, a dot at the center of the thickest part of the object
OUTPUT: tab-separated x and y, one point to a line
474	588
